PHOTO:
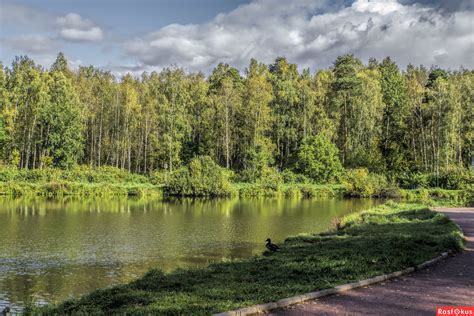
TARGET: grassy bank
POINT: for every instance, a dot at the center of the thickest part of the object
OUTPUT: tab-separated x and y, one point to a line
84	181
63	188
384	239
80	181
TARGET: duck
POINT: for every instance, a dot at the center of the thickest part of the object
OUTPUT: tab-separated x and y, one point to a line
6	311
271	246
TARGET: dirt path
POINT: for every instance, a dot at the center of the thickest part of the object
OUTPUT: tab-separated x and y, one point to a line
450	282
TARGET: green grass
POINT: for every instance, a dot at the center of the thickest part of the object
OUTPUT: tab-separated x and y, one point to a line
83	174
79	181
82	189
382	240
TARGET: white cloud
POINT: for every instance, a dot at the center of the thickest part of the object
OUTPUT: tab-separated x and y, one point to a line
74	20
76	28
92	34
313	34
382	7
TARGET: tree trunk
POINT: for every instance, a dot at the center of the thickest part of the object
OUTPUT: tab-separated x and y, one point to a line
100	134
227	150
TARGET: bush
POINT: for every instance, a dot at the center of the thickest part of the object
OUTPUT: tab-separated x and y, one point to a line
454	178
318	159
258	160
270	179
289	177
415	180
8	174
361	183
438	196
201	177
159	177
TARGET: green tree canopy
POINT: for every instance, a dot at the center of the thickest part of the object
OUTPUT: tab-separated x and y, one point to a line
62	119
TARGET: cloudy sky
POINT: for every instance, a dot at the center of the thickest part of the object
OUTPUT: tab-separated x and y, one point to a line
137	35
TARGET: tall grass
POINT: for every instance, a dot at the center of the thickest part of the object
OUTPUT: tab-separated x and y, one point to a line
81	181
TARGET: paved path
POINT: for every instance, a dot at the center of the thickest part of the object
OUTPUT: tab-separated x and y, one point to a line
450	282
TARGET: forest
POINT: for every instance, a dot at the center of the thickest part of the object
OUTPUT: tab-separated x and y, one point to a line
269	120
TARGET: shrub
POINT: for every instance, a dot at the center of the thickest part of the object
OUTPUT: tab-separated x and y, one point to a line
308	191
438	196
159	177
359	182
289	176
318	159
201	177
454	178
292	191
270	179
415	180
258	159
8	174
268	184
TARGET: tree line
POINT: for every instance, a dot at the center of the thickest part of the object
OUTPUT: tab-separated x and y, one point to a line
374	116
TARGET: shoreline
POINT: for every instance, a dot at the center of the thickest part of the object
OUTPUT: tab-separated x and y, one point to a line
231	285
56	189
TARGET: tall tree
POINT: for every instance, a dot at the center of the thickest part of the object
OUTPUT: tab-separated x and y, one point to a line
172	115
346	88
415	91
284	106
28	95
61	65
256	117
3	108
465	83
324	121
395	141
225	88
201	140
62	123
444	100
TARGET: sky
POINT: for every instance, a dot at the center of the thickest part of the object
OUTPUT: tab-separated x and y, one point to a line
145	35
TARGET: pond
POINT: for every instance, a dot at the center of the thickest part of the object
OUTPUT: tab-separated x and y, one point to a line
53	249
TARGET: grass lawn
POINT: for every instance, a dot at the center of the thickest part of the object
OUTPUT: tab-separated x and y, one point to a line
381	240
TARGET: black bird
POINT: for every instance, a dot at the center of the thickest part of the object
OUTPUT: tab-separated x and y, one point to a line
271	246
6	311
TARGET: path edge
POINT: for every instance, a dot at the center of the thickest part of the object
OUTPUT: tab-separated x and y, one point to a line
261	308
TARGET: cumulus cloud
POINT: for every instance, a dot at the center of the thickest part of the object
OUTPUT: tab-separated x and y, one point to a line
76	28
445	5
92	34
313	34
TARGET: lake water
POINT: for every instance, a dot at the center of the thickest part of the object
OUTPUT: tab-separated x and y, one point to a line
53	249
